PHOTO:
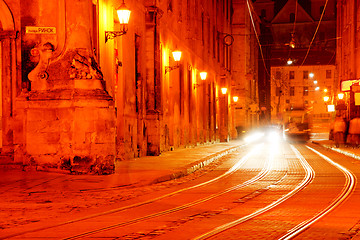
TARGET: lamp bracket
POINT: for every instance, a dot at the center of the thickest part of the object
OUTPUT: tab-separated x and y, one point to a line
170	68
113	34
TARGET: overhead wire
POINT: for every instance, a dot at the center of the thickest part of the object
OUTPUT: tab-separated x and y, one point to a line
317	29
293	31
257	37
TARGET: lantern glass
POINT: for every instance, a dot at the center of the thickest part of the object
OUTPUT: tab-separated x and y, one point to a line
326	98
203	75
176	55
123	14
224	90
331	108
235	98
341	95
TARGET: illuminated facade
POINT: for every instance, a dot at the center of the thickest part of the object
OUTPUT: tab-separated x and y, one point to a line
74	100
303	32
304	87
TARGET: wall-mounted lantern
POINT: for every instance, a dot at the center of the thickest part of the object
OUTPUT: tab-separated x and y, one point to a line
124	15
235	98
340	96
203	75
177	57
224	90
326	98
289	61
311	75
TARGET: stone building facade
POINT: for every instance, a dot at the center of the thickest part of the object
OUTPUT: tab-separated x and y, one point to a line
348	34
74	101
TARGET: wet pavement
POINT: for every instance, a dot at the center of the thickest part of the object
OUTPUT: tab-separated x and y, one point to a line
32	196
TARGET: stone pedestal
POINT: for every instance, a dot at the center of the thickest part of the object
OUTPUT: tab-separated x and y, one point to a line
70	129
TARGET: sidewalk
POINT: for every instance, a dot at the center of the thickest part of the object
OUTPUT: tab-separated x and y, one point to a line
32	197
136	172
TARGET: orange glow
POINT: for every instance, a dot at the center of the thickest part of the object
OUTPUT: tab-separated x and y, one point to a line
123	14
331	108
341	95
176	55
203	75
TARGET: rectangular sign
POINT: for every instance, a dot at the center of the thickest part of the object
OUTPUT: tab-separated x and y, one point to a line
40	30
346	84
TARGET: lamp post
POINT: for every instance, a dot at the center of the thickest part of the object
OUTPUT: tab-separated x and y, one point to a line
123	14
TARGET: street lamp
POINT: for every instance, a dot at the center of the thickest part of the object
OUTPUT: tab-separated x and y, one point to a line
203	75
289	61
235	98
177	57
123	14
224	90
341	96
326	98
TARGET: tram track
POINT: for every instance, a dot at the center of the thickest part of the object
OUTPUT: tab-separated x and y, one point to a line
262	182
232	170
309	176
346	192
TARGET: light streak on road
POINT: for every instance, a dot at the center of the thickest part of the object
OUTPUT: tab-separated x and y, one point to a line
309	176
346	192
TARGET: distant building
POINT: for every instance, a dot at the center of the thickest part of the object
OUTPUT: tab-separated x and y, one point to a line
74	98
303	87
303	33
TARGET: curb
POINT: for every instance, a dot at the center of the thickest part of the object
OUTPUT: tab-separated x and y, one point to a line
346	153
196	165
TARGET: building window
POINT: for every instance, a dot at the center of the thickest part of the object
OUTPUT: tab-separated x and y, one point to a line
292	17
202	29
278	75
263	13
278	91
95	31
305	74
328	73
170	6
291	75
306	91
292	91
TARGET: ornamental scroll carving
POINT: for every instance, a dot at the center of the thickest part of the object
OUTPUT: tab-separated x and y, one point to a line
39	75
